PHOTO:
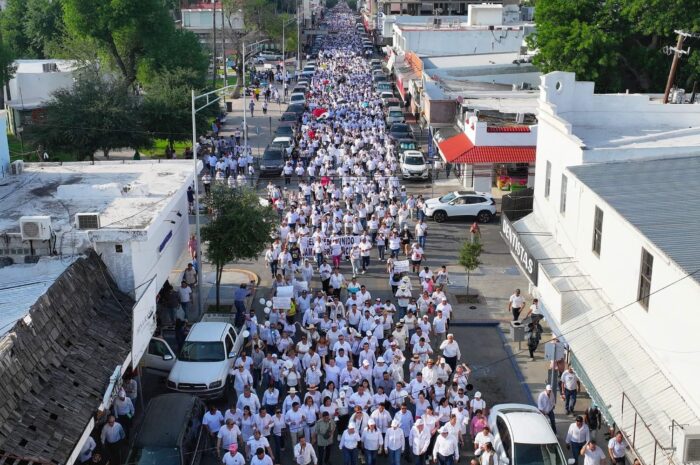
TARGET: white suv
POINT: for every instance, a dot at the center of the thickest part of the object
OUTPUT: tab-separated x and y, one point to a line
480	205
523	436
413	165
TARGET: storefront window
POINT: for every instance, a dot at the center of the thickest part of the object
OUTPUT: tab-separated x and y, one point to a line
510	176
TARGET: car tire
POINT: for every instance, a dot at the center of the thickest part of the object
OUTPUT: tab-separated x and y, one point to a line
439	216
484	216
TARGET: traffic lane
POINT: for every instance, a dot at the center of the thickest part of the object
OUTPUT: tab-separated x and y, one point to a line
493	373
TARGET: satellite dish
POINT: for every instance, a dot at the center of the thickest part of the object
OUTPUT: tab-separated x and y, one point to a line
262	301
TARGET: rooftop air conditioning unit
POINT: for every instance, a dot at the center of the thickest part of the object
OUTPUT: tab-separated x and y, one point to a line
689	445
87	220
17	167
35	228
437	22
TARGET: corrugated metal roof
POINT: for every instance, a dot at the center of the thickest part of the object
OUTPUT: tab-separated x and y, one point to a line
652	195
21	285
613	360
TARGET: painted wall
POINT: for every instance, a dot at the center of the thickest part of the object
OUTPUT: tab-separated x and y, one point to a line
32	88
485	15
477	131
445	42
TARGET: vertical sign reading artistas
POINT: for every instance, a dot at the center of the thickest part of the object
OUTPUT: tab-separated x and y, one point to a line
527	262
346	243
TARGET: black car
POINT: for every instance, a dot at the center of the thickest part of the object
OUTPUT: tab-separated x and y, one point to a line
286	130
297	108
177	441
399	131
289	117
272	161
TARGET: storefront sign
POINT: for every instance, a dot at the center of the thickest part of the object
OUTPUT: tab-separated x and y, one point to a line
527	262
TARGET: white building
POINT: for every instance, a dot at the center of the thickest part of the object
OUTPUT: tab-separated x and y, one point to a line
611	250
134	214
202	18
31	87
483	32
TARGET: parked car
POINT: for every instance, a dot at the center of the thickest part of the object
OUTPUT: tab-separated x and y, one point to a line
286	129
296	108
414	166
272	161
403	145
269	56
400	131
392	102
309	67
394	115
385	96
289	117
298	97
382	86
202	366
287	143
523	436
179	440
379	78
480	205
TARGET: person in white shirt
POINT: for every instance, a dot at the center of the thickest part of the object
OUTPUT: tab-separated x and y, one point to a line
232	457
570	386
419	440
482	437
515	304
477	403
372	442
594	455
255	442
489	457
617	448
445	450
250	400
577	437
229	435
450	350
545	404
213	420
87	450
394	443
349	442
261	458
304	453
241	379
295	421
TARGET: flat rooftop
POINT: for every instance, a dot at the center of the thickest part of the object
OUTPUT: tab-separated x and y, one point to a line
636	188
463	61
21	286
128	195
637	136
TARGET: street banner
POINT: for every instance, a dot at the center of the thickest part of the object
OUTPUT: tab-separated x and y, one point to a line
285	291
346	243
283	303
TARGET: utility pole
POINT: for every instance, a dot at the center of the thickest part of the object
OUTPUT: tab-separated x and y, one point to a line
213	42
299	19
677	51
223	52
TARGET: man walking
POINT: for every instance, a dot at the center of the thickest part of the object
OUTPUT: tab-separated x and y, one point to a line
570	385
323	434
112	438
545	403
515	304
577	437
445	450
419	439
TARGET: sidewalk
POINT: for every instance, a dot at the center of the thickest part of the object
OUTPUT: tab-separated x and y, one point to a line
494	281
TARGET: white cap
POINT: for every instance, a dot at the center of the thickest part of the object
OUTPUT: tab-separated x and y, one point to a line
548	387
477	394
342	394
419	422
394	423
371	422
365	363
351	426
443	430
380	360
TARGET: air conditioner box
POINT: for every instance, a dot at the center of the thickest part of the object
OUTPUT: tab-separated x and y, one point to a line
35	228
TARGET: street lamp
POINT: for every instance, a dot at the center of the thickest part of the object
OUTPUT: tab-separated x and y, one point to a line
211	98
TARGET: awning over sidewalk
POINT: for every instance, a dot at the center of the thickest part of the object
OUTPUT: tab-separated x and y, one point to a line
459	149
608	358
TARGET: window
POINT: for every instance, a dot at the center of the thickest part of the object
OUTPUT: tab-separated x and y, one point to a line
504	436
547	179
597	230
229	347
562	198
645	269
118	248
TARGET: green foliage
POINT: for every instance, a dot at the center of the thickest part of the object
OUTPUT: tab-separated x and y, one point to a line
43	26
167	106
239	229
96	114
12	30
7	68
181	49
469	255
616	43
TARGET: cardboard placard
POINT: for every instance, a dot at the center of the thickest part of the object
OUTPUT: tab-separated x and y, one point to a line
283	303
401	266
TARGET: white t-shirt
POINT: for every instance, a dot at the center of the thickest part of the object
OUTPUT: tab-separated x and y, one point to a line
229	459
185	293
593	457
517	301
213	421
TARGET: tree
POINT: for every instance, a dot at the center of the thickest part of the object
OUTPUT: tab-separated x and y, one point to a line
12	28
167	109
616	43
43	26
239	229
125	31
181	49
469	257
7	69
95	114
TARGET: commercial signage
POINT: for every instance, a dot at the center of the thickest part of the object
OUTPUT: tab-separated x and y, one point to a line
143	323
522	254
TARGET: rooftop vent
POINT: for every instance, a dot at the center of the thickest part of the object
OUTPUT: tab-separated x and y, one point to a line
87	220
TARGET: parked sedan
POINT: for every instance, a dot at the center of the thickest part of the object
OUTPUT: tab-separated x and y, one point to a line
523	436
272	161
400	131
479	205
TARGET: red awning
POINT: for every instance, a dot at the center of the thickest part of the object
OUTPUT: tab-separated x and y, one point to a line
459	149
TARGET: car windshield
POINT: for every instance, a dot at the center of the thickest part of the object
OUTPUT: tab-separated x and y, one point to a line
272	155
399	128
538	454
193	351
447	198
155	456
415	161
407	146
